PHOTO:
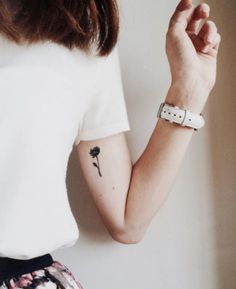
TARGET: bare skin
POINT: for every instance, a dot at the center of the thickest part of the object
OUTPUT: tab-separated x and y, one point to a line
128	195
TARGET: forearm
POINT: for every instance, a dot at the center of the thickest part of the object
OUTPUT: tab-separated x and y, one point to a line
192	53
153	175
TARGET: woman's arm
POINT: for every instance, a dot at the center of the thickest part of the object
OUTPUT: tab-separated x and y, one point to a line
128	196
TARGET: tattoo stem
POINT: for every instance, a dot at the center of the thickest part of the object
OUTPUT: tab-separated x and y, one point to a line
98	167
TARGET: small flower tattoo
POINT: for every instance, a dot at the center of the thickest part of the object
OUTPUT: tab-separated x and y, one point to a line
94	152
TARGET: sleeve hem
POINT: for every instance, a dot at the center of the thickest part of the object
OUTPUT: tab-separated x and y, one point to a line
103	131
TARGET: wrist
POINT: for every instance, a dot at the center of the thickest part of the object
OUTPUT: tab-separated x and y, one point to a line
181	117
187	96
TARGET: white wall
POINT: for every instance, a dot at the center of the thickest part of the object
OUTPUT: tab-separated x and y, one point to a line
191	242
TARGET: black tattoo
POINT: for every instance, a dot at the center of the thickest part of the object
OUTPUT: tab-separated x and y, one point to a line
94	152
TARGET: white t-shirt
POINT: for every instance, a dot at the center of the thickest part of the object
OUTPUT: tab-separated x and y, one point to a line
50	99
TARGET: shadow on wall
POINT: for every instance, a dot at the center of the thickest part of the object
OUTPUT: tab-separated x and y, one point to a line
222	119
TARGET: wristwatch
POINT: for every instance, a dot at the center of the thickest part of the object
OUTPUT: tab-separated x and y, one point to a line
180	116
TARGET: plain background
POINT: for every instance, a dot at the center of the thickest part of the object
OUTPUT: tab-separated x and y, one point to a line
191	242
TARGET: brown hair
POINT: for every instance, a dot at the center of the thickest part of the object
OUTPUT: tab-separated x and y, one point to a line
73	23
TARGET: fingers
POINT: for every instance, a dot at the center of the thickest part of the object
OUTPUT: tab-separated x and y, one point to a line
216	42
182	14
214	46
210	49
208	33
188	17
201	12
184	4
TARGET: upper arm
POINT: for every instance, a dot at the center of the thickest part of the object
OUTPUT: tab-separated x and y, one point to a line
106	165
101	144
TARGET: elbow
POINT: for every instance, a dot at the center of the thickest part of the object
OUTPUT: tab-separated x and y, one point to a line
127	238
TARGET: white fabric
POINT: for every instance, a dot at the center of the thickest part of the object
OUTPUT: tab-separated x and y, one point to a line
51	98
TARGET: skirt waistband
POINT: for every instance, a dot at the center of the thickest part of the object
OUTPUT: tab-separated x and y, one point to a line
10	267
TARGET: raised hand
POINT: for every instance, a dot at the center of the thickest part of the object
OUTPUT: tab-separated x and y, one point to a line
192	51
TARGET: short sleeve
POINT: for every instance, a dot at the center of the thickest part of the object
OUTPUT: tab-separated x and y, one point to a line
107	112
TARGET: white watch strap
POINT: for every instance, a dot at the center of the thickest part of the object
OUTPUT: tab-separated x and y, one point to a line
180	116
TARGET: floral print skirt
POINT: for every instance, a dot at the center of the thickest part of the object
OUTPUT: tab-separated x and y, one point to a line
54	276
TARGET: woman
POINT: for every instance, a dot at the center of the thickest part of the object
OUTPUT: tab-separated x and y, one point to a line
61	85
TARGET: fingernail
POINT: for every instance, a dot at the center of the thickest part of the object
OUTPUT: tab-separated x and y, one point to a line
206	48
205	8
210	39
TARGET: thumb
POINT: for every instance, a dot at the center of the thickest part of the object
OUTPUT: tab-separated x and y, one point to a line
183	14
